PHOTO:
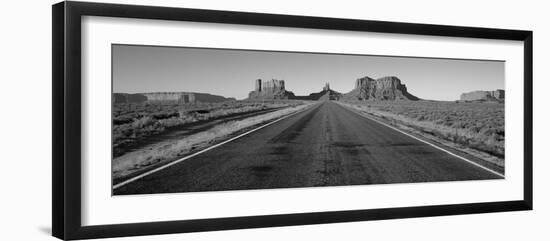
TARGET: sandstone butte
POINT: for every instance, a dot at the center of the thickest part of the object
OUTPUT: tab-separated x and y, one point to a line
385	88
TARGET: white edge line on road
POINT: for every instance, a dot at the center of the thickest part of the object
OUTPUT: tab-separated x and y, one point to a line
202	151
431	144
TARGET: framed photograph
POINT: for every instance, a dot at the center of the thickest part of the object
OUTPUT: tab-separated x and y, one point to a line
170	120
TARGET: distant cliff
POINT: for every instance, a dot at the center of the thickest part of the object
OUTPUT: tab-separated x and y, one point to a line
270	89
179	97
128	98
480	95
385	88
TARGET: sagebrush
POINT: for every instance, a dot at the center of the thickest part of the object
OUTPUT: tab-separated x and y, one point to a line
478	125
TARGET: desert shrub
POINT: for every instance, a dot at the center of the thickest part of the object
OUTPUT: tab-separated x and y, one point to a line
122	120
476	125
134	121
165	115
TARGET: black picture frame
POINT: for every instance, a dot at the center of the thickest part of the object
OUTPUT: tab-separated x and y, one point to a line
66	128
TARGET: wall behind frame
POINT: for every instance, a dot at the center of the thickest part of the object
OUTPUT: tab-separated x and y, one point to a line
26	119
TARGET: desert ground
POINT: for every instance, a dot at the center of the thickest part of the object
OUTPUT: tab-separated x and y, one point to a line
323	143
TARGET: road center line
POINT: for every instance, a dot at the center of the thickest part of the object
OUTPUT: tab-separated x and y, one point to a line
204	150
431	144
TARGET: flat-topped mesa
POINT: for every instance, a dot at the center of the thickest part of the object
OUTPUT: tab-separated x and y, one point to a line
123	98
181	97
270	89
385	88
173	97
480	95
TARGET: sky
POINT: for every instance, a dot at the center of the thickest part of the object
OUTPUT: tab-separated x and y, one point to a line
231	73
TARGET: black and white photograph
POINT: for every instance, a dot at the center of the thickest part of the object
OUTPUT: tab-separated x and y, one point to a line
188	119
275	120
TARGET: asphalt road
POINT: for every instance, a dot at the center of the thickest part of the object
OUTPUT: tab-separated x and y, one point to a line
326	145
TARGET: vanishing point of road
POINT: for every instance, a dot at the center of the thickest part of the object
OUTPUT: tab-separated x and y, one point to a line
325	145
